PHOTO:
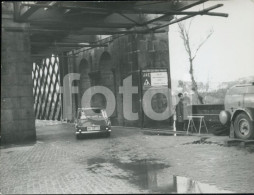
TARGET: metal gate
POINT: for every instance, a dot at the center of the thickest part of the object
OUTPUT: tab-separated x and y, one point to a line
46	80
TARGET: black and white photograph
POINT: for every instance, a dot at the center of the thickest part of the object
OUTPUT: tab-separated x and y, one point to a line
127	97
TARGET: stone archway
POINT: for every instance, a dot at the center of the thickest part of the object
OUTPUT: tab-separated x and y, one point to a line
84	82
106	79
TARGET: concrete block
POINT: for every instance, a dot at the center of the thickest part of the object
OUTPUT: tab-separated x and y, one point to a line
25	68
25	90
25	124
18	131
26	102
7	57
29	135
16	41
23	113
3	47
9	80
9	91
8	127
8	68
20	43
19	137
27	44
6	115
25	79
10	103
9	138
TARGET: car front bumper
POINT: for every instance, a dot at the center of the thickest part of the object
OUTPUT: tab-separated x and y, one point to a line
92	132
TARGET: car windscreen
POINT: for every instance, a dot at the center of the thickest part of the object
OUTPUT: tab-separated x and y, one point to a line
91	113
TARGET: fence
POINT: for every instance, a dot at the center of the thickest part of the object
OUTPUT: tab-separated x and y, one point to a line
46	79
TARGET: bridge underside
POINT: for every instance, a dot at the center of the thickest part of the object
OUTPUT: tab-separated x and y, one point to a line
105	42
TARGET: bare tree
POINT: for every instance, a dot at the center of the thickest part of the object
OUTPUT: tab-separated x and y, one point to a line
184	31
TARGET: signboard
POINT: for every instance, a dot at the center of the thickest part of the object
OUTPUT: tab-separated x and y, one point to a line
159	79
154	78
146	79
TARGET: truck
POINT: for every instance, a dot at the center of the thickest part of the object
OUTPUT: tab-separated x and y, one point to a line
239	111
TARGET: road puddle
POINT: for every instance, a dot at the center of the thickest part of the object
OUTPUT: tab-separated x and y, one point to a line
249	147
149	175
203	140
165	133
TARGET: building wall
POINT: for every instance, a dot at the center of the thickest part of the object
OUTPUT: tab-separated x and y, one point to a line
126	55
17	111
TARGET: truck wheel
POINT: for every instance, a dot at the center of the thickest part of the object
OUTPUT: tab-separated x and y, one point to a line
243	127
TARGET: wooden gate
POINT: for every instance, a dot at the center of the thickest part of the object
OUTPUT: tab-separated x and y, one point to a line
46	80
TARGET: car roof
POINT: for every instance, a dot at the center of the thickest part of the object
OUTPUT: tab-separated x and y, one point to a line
90	108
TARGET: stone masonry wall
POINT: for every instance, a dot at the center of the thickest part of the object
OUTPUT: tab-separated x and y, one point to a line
128	56
17	112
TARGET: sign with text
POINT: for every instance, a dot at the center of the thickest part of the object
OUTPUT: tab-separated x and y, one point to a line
154	78
159	79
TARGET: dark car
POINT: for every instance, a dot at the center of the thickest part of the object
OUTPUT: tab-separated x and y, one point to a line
239	111
92	121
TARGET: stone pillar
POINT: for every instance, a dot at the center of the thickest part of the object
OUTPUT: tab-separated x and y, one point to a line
17	102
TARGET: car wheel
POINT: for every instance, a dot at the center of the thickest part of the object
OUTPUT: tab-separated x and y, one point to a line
243	127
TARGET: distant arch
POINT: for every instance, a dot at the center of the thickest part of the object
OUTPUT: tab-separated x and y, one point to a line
105	62
84	82
106	79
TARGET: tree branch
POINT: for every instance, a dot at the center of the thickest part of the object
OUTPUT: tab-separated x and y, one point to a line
185	36
202	43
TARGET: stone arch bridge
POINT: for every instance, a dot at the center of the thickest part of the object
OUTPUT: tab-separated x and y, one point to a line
104	42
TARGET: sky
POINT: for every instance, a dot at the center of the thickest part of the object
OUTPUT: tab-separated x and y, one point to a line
228	54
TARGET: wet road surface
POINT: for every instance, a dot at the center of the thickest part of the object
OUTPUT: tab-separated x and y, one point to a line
126	162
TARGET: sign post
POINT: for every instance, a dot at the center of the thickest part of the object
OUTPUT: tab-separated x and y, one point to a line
156	78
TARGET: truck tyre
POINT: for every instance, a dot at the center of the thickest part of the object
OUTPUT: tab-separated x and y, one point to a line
243	127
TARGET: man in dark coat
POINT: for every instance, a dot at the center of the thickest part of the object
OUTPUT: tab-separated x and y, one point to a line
180	113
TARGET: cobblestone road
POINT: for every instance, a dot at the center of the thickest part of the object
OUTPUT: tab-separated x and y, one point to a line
127	162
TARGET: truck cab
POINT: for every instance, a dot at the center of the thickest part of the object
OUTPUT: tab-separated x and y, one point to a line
239	111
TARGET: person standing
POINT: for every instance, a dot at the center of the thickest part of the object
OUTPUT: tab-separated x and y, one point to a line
180	113
186	109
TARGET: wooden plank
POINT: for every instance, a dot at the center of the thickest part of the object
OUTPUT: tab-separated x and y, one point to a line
56	73
36	93
52	93
76	24
42	86
56	107
57	104
45	113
